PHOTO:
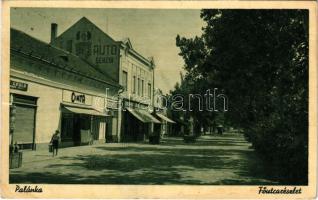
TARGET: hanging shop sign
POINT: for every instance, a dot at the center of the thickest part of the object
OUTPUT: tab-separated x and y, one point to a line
18	85
76	97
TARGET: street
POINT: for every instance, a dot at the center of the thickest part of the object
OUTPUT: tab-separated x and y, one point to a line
215	160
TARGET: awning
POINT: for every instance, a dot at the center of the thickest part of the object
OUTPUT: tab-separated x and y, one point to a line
84	110
165	118
143	115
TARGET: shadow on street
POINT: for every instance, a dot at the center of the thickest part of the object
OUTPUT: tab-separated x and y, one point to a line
212	160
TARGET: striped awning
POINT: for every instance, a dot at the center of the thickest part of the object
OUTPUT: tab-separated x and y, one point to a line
143	115
83	110
165	118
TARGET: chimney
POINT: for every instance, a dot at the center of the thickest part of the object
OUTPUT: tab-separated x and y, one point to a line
53	31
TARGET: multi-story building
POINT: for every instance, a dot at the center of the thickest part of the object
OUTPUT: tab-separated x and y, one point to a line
84	84
119	61
52	89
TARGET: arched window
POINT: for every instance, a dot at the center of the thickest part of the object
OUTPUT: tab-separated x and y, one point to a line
89	35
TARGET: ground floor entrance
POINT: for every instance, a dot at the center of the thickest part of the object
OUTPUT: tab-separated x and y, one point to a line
133	129
82	127
73	128
22	121
138	125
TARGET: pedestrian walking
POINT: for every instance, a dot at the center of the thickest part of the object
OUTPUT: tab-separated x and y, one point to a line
55	142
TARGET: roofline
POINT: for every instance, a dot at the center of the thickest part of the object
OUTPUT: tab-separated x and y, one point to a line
69	28
63	68
51	46
122	44
136	54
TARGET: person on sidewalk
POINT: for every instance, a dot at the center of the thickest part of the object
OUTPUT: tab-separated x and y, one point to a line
55	142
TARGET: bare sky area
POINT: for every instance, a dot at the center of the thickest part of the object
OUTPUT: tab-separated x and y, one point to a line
152	32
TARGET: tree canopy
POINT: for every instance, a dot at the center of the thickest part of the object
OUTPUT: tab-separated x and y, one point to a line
259	59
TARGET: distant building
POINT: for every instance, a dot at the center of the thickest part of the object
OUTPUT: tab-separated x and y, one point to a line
161	112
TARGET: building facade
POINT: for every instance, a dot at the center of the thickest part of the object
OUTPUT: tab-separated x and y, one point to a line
51	89
83	83
121	63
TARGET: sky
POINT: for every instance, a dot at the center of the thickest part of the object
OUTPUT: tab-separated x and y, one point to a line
152	32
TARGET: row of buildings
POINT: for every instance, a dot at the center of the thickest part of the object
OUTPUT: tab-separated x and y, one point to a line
84	84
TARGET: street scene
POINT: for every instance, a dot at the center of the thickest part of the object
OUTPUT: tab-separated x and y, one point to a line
158	96
215	160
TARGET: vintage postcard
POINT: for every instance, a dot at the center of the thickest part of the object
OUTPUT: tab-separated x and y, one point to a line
159	99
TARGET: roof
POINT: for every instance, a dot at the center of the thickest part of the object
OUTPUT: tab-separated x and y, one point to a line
127	42
124	41
32	47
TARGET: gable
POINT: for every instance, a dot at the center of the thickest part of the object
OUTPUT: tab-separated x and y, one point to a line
36	49
87	41
127	42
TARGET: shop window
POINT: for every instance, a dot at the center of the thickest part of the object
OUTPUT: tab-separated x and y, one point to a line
125	77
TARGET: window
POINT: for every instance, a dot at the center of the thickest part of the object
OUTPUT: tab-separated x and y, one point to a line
69	45
124	83
139	86
78	35
142	87
134	85
149	90
89	35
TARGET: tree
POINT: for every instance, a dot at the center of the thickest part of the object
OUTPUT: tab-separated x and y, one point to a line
260	60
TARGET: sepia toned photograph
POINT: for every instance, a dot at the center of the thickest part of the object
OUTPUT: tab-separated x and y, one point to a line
166	97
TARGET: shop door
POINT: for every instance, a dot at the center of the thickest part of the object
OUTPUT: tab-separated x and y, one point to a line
98	127
77	130
109	131
24	125
67	128
95	127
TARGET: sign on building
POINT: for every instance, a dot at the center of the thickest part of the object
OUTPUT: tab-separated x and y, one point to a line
76	97
18	85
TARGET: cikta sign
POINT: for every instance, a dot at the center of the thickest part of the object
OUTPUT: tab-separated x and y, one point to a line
76	97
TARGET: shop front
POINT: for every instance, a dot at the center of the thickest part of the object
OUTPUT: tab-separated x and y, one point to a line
52	90
166	124
138	123
83	119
